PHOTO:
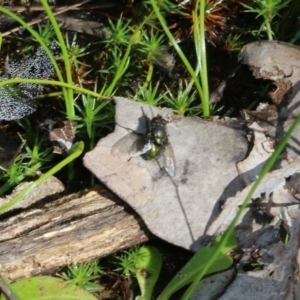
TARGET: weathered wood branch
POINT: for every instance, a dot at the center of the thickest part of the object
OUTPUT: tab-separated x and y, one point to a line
75	228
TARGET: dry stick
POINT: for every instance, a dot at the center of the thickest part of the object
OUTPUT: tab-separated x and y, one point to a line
58	12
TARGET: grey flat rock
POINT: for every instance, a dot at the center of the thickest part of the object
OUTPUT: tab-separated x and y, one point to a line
176	209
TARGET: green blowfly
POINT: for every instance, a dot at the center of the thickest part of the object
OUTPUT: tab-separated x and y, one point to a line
150	145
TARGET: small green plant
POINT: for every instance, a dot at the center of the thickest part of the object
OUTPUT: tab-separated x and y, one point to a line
15	174
92	115
128	261
119	33
75	51
233	42
145	264
150	95
182	102
152	46
268	10
75	151
84	275
46	32
26	164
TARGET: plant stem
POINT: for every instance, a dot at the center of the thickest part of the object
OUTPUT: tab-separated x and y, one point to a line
269	30
203	72
200	47
70	97
149	76
183	58
52	82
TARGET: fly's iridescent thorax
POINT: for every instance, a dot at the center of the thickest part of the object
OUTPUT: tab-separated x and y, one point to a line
158	130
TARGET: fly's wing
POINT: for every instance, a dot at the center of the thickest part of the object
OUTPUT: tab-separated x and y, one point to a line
169	160
132	144
140	146
124	144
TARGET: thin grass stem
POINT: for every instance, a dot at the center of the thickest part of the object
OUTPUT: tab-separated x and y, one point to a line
69	100
182	56
53	82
